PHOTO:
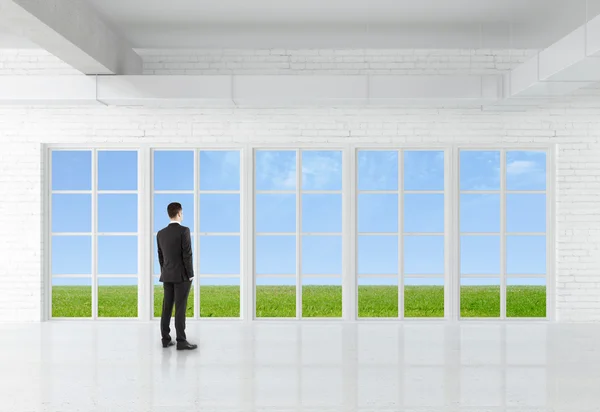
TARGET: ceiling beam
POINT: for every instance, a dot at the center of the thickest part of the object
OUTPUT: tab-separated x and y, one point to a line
72	31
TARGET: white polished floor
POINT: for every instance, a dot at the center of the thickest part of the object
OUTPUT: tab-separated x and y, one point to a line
316	367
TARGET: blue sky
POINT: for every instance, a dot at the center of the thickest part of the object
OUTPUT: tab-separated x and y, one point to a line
275	213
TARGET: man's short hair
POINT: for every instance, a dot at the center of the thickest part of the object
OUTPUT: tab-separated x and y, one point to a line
173	209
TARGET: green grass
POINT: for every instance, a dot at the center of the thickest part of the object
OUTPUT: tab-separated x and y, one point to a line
317	301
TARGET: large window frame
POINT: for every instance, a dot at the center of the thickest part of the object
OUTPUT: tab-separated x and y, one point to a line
349	195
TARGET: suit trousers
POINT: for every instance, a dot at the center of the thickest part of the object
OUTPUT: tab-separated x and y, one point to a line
175	294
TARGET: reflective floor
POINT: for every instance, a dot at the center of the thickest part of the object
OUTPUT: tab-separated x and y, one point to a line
317	367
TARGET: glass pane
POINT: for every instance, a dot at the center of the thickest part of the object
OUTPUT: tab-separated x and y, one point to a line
526	297
378	297
480	297
219	170
377	170
161	218
71	213
71	297
71	255
117	255
526	255
423	297
525	213
220	255
423	170
479	170
71	170
276	297
322	297
220	213
321	170
275	213
321	213
480	255
117	170
424	255
322	255
220	297
117	297
480	213
378	255
378	213
158	301
117	213
275	170
423	213
276	255
173	170
525	170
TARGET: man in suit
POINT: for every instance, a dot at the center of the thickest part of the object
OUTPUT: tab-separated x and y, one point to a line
176	273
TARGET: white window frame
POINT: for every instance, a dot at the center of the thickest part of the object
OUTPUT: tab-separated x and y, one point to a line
349	230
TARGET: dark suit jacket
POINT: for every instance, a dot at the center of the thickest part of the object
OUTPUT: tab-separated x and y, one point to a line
175	254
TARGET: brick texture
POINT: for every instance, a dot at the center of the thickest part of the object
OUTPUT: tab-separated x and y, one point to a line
572	124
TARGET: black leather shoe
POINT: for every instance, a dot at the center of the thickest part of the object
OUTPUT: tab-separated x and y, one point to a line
186	346
166	345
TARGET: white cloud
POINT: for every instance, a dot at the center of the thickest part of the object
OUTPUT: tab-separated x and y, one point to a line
520	167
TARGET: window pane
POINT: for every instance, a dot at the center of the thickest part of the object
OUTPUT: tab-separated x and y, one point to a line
275	170
424	255
378	297
220	213
377	170
322	213
275	255
525	170
219	170
117	255
423	170
423	213
158	300
220	255
526	297
321	170
275	213
378	213
479	170
117	297
173	170
117	213
322	297
322	255
161	218
71	297
117	170
526	255
71	255
220	297
480	255
480	213
71	213
480	297
525	213
377	255
71	170
276	297
423	297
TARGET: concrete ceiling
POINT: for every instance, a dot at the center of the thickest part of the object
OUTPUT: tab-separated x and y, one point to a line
532	24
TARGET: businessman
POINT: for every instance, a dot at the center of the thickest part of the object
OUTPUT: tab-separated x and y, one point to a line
176	273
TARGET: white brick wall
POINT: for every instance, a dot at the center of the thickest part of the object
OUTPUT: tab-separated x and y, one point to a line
574	126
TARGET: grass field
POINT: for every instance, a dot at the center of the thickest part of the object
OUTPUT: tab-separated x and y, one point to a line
317	301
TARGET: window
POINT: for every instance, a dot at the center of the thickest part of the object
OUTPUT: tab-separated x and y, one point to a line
298	233
503	233
401	233
94	233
